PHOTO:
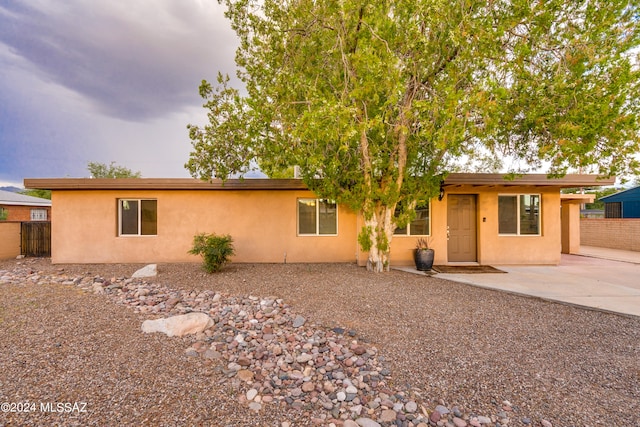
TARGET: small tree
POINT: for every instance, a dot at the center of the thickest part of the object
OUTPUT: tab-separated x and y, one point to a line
101	170
215	250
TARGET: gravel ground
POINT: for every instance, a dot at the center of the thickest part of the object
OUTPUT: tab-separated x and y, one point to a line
450	343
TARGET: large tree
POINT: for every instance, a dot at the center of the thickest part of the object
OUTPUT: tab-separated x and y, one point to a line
375	101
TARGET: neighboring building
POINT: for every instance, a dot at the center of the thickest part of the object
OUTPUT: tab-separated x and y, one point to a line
625	204
19	207
479	218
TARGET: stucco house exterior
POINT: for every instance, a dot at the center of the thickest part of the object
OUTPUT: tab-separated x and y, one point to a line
479	218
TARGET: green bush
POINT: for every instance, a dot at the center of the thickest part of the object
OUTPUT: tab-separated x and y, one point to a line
215	250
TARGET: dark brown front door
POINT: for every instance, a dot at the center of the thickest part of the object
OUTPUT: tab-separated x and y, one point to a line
461	228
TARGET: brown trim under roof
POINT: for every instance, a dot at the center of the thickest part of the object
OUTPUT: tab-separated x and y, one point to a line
498	179
162	184
473	179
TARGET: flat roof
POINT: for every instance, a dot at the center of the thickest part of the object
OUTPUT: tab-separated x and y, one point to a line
459	179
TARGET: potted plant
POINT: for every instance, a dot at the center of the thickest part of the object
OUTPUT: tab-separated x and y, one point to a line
423	255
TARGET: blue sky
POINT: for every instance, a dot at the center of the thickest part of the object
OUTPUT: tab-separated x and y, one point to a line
105	80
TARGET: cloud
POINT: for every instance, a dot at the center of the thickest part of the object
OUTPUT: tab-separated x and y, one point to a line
103	81
133	60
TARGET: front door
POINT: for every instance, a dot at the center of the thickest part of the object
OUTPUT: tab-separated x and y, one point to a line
461	228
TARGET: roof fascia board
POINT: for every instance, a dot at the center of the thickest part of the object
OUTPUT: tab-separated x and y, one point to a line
162	184
454	179
497	179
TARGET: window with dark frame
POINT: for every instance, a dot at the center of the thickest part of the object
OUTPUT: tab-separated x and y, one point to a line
613	210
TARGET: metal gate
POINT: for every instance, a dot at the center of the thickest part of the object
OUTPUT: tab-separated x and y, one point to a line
35	238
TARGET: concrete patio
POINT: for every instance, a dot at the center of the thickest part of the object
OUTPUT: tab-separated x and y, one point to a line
597	278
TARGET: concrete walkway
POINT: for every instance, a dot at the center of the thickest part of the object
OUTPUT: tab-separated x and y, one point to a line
598	278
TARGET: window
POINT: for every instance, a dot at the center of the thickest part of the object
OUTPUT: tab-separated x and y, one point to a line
317	217
137	217
613	210
519	214
419	226
38	214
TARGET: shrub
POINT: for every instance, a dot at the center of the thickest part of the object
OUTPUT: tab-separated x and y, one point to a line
215	250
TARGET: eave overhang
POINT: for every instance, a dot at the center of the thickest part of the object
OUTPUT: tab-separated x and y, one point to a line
454	179
162	184
534	180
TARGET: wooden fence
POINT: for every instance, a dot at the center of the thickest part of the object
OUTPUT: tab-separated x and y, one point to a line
36	238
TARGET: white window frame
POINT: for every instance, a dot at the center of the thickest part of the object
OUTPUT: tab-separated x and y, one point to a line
139	212
518	232
317	232
407	232
38	214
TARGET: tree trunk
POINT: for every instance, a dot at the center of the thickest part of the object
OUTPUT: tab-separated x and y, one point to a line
380	227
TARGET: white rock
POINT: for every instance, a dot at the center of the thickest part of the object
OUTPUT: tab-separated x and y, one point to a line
304	358
150	270
184	324
251	394
484	420
367	422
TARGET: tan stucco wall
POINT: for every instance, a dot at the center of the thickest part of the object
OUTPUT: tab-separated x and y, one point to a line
570	228
262	224
9	239
492	248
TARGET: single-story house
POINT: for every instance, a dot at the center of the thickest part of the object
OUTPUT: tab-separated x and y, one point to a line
20	207
625	204
478	218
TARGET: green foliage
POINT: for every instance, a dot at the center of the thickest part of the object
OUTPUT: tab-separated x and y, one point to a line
598	204
377	101
101	170
215	250
364	239
3	214
43	194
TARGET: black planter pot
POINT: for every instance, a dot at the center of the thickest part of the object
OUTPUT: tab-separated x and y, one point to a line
423	259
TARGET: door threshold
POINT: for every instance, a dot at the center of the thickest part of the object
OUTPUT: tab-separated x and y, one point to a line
462	263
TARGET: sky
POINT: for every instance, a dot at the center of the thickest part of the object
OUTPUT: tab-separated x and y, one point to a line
105	81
